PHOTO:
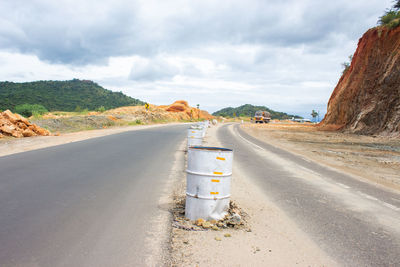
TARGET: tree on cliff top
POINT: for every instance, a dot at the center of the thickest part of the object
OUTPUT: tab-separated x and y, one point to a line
391	18
397	5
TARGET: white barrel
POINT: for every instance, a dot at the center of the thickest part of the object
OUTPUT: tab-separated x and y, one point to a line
202	126
196	126
208	187
195	137
195	132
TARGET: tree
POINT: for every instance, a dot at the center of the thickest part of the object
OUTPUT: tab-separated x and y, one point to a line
397	5
62	95
391	18
314	114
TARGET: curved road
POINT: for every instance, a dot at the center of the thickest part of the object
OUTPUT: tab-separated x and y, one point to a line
91	203
357	224
87	203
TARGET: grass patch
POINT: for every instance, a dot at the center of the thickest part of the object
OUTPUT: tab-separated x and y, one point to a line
135	122
161	121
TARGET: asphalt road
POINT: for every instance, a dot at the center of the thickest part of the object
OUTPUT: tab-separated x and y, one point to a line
356	223
87	203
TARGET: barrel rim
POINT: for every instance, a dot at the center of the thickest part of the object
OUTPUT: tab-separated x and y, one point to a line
210	148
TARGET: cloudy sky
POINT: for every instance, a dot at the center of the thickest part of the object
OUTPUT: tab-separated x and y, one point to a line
286	55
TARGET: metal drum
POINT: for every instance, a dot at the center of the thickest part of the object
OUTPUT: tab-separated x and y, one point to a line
203	125
195	137
209	173
206	124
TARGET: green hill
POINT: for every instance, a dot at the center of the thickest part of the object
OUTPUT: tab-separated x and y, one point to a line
62	95
249	110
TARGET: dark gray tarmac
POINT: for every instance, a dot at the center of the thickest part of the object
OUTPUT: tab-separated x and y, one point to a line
87	203
351	237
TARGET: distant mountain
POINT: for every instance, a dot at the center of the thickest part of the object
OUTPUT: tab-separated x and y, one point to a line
249	110
62	95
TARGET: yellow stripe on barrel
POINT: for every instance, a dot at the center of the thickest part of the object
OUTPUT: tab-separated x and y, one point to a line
214	193
214	180
218	173
220	158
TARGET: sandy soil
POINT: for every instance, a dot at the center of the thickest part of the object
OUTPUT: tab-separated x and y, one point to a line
10	145
373	159
270	238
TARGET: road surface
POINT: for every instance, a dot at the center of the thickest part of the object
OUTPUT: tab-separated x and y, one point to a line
356	223
87	203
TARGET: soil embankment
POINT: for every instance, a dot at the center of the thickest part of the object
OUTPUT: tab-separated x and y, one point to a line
375	159
367	98
64	122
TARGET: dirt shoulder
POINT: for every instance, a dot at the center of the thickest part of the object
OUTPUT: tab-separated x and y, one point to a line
372	159
270	238
11	145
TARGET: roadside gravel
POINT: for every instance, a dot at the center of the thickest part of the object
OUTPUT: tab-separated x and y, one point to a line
370	159
271	238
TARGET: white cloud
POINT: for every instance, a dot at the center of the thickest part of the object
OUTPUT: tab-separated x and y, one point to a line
153	69
285	55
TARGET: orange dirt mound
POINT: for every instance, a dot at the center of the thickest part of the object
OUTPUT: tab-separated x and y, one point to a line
183	102
187	111
176	108
17	126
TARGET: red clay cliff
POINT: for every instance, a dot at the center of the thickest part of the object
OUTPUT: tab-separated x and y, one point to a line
367	97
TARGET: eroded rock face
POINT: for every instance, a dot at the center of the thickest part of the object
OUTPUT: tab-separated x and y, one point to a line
17	126
367	97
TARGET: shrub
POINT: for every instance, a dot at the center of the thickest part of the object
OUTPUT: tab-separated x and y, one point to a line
391	18
346	65
394	23
101	109
28	110
135	122
81	111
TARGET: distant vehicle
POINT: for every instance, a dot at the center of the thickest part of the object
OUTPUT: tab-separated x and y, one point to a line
262	116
